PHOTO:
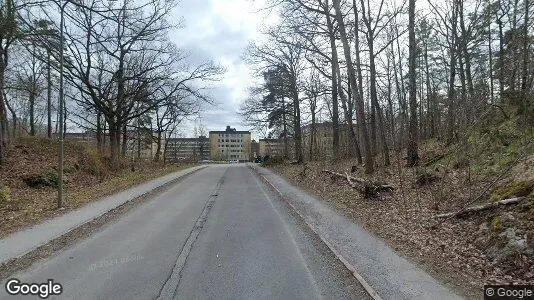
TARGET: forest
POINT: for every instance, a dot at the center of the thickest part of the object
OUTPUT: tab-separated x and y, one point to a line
110	63
390	73
412	118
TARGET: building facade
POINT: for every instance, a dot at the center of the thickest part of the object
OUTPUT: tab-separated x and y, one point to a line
272	147
318	141
230	144
142	144
187	149
254	149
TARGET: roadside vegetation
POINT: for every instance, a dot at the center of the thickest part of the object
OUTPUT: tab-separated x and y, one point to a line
29	179
491	163
414	118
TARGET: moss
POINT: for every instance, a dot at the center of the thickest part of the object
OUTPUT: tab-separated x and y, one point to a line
5	195
497	224
515	189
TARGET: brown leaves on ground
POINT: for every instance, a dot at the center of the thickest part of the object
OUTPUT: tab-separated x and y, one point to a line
86	180
452	251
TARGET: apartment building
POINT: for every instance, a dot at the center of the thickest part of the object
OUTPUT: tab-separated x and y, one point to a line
230	144
323	136
187	149
272	147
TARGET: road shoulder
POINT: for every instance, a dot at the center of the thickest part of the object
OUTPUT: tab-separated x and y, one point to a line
373	262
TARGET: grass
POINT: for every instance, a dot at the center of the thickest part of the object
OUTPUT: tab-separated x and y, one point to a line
32	161
119	183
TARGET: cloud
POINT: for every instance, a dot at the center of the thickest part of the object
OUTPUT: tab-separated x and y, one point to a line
220	30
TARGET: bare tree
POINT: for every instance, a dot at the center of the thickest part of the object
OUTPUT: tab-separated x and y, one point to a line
412	152
360	110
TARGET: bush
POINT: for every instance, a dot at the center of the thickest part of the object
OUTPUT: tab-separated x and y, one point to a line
515	189
46	179
92	163
424	178
272	161
497	224
5	195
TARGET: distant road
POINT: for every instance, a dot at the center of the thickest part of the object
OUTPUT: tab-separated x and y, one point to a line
218	234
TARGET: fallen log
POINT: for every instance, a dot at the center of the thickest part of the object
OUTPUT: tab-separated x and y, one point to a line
367	188
477	208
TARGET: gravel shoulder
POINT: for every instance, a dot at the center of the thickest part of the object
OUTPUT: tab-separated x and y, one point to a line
391	275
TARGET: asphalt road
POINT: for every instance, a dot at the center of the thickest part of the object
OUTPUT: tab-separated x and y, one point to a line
218	234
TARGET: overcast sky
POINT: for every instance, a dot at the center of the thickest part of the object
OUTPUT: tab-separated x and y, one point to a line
220	30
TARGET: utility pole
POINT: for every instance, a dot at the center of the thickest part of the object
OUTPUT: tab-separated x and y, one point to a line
60	195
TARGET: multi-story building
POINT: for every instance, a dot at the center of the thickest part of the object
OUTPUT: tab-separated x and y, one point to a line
272	147
189	149
254	149
142	144
230	145
322	146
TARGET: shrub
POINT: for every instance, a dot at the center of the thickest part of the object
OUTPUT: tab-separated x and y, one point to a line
91	162
460	163
45	179
497	224
424	178
5	195
272	161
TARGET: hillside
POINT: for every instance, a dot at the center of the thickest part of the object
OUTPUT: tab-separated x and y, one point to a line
491	161
29	179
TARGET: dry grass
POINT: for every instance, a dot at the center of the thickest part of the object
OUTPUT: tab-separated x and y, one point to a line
455	250
87	179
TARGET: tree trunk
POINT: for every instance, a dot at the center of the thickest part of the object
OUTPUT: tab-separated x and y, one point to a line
335	105
99	132
348	115
114	141
284	120
524	76
501	58
312	134
124	140
412	152
391	117
357	49
490	67
32	110
296	122
451	94
360	109
464	105
158	147
48	96
401	91
13	117
429	102
376	106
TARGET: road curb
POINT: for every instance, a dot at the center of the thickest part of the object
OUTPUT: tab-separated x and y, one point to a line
24	251
368	288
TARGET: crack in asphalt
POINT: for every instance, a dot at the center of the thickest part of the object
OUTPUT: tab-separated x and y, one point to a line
169	288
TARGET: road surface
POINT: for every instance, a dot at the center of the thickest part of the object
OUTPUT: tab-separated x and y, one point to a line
218	234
